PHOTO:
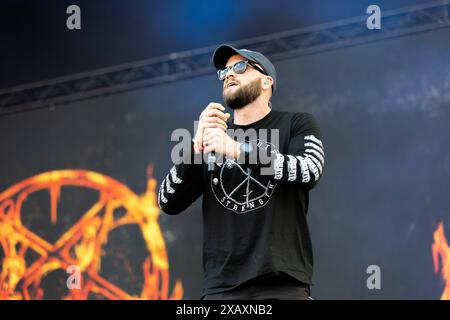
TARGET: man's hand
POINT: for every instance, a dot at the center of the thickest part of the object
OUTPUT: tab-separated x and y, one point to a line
217	140
211	117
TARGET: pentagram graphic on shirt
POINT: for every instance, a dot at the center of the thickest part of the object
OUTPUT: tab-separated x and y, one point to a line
239	189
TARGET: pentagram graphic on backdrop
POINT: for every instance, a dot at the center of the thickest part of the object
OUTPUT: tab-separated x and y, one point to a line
239	189
83	244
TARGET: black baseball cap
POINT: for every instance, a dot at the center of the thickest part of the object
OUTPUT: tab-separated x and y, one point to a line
225	51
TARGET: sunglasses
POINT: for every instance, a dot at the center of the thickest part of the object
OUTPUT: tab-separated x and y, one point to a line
238	67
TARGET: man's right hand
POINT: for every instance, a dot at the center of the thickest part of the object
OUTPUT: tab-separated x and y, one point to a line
212	117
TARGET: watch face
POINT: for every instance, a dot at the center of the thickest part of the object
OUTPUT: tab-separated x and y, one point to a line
247	147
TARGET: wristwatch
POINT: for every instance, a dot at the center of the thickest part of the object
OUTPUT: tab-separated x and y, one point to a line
246	148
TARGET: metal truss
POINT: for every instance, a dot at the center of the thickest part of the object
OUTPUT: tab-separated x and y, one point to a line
187	64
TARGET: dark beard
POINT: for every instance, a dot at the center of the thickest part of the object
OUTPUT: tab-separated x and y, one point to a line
244	95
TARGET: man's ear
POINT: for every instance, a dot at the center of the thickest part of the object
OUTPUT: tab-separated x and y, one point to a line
267	82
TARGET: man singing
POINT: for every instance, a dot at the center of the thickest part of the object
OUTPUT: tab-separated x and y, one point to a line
256	242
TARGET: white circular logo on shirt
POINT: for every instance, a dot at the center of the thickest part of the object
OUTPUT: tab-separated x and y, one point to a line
239	189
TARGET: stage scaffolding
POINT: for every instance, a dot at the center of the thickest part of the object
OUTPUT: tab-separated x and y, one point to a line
187	64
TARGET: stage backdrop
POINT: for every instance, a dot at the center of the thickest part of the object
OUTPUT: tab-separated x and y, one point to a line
78	181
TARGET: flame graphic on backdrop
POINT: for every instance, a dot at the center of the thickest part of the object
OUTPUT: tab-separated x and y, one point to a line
440	248
82	244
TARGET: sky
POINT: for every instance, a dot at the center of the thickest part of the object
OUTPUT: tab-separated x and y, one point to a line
36	44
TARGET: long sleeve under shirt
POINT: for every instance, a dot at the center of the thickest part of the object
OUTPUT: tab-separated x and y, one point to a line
254	224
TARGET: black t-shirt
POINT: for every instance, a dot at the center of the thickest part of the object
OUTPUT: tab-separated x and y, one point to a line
254	215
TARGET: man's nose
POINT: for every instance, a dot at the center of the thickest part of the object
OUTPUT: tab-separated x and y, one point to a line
230	73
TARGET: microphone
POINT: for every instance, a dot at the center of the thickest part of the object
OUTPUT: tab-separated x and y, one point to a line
211	161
